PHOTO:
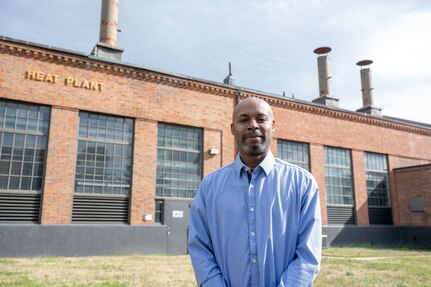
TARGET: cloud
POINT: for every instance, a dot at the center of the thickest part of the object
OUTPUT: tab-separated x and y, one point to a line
270	43
402	48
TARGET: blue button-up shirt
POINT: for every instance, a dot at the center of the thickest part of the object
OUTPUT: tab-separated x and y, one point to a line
264	231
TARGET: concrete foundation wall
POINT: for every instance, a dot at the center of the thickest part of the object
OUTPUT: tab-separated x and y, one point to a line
28	240
416	236
378	236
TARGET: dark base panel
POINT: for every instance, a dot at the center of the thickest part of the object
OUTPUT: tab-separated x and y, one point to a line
416	236
419	237
27	240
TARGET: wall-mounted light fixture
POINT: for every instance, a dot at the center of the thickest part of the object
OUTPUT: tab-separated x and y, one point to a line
148	216
214	151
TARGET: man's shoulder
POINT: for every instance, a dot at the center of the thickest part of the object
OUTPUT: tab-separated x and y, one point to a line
215	179
227	169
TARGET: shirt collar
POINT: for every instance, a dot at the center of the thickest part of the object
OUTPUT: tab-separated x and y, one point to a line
267	164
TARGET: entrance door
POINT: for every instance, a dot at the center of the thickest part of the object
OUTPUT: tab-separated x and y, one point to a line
176	218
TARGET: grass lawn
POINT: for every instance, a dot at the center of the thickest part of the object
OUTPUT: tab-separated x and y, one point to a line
353	266
361	266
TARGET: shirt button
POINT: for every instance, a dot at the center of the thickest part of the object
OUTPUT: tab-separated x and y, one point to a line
253	260
252	234
252	209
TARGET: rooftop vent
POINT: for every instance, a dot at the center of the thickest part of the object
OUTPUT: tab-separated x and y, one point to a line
367	90
229	80
325	79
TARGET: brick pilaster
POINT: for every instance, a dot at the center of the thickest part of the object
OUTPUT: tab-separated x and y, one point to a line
360	188
57	198
144	172
318	170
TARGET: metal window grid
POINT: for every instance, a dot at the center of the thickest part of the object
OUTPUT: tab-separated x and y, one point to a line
179	160
376	172
23	144
104	157
338	176
294	152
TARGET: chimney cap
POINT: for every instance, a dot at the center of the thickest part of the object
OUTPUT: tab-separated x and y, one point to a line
322	50
364	63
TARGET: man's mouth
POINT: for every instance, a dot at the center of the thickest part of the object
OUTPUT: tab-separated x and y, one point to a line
253	137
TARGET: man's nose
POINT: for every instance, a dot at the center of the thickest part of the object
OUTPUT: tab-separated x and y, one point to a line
253	124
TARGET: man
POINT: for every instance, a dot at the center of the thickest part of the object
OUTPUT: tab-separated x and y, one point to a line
255	222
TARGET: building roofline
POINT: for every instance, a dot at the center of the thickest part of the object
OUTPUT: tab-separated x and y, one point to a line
238	90
43	46
413	167
409	122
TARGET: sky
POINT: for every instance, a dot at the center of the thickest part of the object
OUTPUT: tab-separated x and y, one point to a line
270	43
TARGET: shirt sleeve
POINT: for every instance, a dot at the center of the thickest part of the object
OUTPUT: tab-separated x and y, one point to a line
304	268
207	271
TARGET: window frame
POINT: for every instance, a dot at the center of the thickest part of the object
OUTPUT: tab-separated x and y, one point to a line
112	155
27	126
383	173
333	169
171	151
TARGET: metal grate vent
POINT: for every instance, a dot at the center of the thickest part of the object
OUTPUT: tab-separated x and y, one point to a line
19	207
380	215
100	209
341	215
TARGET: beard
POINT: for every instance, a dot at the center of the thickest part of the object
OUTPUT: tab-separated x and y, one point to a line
254	149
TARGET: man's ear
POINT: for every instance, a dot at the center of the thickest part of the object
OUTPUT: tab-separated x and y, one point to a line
231	129
273	125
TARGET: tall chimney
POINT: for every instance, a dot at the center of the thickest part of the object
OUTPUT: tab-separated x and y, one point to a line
325	78
367	90
229	80
107	45
109	22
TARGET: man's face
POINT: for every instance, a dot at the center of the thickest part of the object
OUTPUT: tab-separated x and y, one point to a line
252	126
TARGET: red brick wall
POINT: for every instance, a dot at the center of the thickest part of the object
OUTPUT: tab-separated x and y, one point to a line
398	162
414	182
151	97
212	140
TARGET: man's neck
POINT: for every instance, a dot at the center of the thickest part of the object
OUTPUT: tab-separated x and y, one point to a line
252	160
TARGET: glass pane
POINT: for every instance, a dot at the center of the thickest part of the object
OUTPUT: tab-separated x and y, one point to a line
4	167
25	183
3	182
14	182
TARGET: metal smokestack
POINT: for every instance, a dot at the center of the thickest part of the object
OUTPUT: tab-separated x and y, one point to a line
325	79
109	22
367	90
324	71
366	83
107	45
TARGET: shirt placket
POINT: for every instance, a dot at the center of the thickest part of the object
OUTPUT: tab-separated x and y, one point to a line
252	229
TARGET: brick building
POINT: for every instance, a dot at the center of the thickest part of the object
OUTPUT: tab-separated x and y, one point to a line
103	157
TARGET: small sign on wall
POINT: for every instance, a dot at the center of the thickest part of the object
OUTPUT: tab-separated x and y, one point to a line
177	214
